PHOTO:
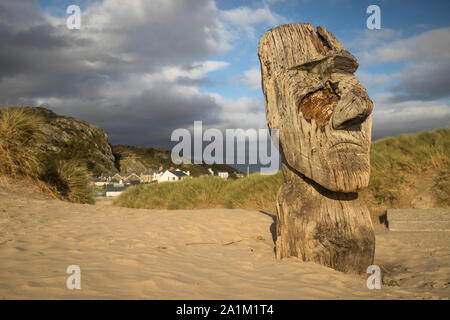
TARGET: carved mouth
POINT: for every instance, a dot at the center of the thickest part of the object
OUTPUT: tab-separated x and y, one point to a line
350	146
345	143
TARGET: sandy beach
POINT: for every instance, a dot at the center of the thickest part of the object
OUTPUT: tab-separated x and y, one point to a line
189	254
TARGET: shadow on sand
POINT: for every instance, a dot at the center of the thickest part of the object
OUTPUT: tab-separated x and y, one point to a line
273	227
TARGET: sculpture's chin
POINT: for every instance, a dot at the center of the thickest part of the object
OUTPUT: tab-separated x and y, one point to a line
346	179
348	172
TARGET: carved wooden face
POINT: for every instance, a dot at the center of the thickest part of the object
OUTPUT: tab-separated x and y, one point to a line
323	114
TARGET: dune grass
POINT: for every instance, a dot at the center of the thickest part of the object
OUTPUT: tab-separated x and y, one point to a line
21	159
256	191
69	179
395	162
201	192
398	162
18	130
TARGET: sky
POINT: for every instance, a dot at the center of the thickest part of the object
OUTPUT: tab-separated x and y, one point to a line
140	69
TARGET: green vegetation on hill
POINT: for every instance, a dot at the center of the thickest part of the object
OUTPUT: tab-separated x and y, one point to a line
409	170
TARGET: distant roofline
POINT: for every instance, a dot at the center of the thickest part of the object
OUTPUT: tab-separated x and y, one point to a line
178	173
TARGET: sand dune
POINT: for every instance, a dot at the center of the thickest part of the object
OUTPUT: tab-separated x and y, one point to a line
198	254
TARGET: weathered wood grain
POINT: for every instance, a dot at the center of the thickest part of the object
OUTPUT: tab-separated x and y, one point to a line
323	115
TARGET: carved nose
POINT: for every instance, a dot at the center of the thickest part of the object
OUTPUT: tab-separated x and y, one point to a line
352	109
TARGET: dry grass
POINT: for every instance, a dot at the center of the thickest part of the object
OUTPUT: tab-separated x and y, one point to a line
401	165
256	191
70	179
20	159
193	193
18	130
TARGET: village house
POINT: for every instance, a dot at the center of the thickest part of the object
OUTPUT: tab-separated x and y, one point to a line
116	178
105	177
115	184
220	174
223	175
132	178
151	176
173	175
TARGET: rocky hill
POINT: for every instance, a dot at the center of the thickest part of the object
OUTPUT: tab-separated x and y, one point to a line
68	138
140	159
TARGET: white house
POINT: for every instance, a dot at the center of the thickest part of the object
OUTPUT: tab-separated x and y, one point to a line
223	175
151	176
172	175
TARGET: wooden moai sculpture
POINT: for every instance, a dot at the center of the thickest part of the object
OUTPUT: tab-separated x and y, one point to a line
323	115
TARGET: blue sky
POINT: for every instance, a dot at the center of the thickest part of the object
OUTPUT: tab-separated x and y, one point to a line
346	19
142	68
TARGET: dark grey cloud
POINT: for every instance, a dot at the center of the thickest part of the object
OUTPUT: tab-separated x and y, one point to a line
23	13
392	127
424	83
130	69
147	119
147	116
394	118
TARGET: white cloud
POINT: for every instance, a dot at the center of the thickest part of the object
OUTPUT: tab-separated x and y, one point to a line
251	78
244	112
430	45
370	40
372	80
246	18
196	71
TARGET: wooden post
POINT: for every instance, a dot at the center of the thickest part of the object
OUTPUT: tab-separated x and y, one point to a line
323	115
